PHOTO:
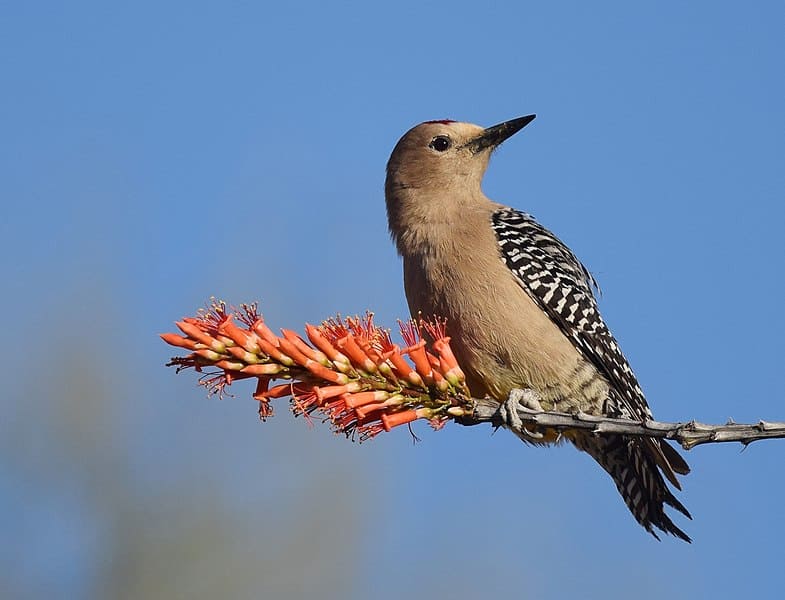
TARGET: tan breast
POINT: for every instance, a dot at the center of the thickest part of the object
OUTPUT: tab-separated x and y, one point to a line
500	336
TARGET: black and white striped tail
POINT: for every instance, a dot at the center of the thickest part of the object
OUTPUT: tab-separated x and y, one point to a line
631	463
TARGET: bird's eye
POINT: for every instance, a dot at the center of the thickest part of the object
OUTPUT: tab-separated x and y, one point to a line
440	143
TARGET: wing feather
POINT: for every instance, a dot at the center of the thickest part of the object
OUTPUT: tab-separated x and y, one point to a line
563	287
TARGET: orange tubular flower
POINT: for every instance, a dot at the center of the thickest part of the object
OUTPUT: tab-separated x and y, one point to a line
279	391
420	358
208	355
402	368
404	417
326	374
361	398
200	336
323	344
272	351
242	354
307	350
292	352
261	370
177	340
356	354
326	392
228	365
242	337
442	347
351	372
264	332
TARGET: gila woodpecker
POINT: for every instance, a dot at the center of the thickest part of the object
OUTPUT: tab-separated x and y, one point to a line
520	306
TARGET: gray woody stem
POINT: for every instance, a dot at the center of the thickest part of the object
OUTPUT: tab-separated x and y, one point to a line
688	434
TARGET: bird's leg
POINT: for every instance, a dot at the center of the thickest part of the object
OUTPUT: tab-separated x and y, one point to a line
508	411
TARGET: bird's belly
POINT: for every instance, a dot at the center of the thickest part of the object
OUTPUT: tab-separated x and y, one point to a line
503	340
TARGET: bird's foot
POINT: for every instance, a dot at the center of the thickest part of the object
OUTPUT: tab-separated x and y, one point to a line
508	411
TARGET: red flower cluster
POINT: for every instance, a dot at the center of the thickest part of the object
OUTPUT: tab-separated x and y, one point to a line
348	370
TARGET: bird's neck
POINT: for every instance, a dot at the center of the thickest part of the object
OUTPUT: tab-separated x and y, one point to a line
416	216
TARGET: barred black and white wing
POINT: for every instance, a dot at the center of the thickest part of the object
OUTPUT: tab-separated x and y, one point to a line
559	283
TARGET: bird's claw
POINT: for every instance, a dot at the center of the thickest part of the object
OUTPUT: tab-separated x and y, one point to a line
508	411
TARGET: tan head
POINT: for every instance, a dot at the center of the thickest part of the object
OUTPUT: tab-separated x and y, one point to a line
437	167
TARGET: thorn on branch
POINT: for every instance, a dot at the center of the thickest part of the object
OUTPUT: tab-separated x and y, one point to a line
689	434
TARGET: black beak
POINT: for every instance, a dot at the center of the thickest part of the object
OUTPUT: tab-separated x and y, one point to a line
493	136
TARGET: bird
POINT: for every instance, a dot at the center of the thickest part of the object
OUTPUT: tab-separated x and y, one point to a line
520	307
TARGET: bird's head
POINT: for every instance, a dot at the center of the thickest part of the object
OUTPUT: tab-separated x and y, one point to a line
437	168
444	154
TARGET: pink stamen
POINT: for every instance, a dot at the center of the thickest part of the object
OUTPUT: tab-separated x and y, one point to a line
410	332
215	384
303	405
334	329
265	408
248	314
437	423
435	327
369	431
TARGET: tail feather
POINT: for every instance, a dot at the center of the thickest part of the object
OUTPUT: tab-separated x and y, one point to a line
677	463
635	465
668	460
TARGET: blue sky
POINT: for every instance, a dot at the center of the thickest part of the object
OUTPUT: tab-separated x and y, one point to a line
156	155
